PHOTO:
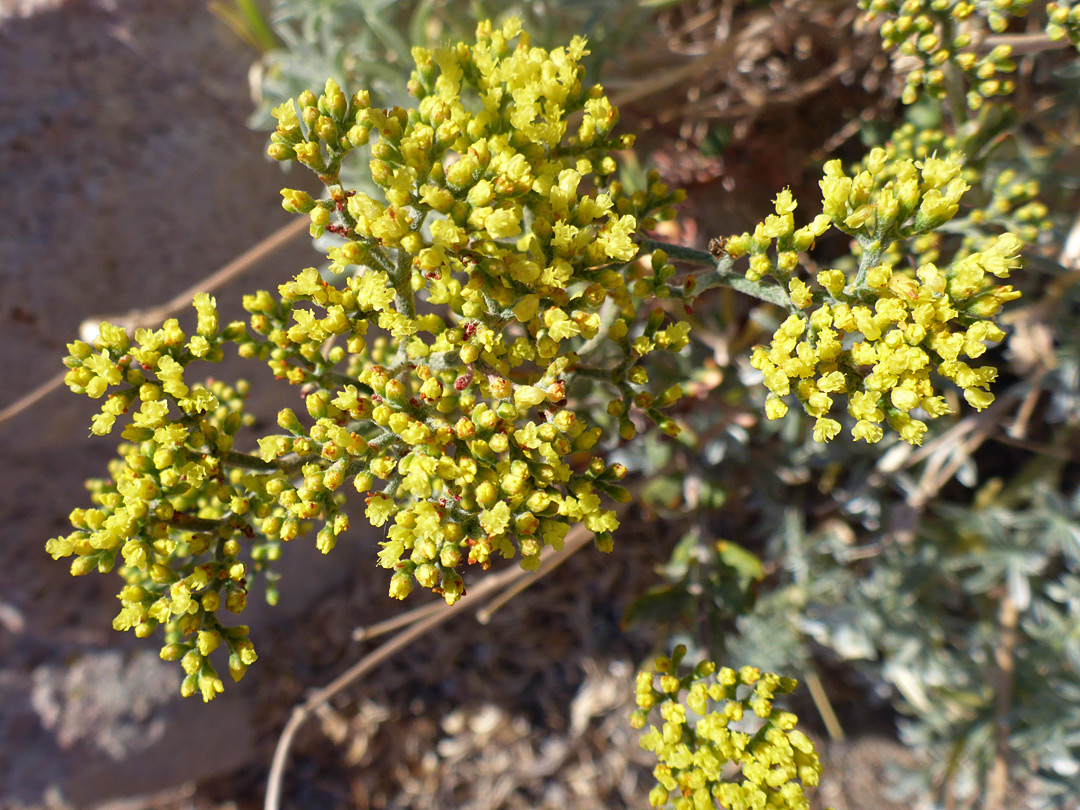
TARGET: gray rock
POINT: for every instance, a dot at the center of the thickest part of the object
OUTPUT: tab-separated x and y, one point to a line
128	175
110	724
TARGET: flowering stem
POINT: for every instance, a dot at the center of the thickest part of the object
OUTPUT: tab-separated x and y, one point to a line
954	77
679	252
602	374
720	275
404	299
608	313
244	461
381	260
401	278
871	257
197	524
384	440
443	361
248	462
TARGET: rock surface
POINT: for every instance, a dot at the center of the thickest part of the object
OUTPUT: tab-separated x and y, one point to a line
129	175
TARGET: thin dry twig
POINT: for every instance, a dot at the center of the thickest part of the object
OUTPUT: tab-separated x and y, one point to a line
484	614
824	706
707	108
1038	448
152	317
38	394
954	454
137	318
423	623
663	82
1018	428
396	622
1023	44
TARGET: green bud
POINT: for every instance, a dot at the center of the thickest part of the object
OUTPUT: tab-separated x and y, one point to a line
287	420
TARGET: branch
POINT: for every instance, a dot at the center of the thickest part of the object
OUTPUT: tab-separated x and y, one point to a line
154	316
401	278
1022	44
720	274
997	786
245	461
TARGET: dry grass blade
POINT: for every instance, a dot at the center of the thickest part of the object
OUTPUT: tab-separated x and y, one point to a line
824	706
1023	44
39	393
138	318
1004	677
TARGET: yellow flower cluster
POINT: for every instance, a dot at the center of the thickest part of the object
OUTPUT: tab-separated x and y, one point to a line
170	509
939	34
727	718
874	336
774	246
1064	21
505	225
486	295
1005	200
115	361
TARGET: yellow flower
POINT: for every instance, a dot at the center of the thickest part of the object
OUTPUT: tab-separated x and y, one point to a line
380	509
496	519
825	429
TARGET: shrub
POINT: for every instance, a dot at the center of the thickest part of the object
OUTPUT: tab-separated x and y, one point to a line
500	338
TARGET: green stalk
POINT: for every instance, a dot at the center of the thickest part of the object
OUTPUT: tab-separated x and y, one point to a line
720	274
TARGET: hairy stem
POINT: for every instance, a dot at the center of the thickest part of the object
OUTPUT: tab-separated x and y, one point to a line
401	278
720	274
954	77
197	524
871	257
244	461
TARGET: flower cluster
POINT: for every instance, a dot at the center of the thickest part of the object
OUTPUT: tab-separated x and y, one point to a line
1006	200
504	226
726	718
1064	21
171	509
875	335
938	34
478	315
